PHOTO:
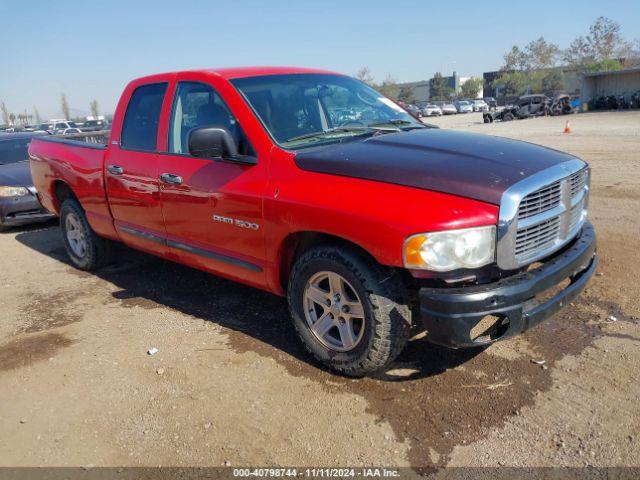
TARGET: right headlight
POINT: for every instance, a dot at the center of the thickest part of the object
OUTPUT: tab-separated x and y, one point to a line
13	191
451	249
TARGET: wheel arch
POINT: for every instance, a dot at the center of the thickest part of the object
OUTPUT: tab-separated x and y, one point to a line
297	243
60	192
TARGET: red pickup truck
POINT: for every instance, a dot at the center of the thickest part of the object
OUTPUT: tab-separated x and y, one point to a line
310	184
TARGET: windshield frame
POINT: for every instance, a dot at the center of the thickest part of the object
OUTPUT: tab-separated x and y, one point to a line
320	142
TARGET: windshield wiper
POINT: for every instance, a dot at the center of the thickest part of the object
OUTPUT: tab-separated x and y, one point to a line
398	122
363	130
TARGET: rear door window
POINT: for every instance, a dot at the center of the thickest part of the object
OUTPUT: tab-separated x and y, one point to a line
140	127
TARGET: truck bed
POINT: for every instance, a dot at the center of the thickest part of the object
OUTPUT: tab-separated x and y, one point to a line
78	161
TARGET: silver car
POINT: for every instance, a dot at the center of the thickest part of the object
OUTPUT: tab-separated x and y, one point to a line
431	110
480	105
447	108
463	106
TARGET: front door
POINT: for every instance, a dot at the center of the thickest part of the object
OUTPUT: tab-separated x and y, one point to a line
131	172
212	207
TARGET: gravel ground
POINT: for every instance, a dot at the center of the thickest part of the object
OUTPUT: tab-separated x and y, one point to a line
231	386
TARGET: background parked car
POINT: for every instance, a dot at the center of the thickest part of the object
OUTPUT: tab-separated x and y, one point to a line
448	109
479	105
94	125
60	127
463	106
412	109
44	127
18	202
431	110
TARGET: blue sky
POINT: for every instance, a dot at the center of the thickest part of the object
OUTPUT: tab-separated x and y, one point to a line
91	49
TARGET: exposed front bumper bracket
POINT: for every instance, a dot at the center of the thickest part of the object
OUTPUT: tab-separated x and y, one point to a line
450	314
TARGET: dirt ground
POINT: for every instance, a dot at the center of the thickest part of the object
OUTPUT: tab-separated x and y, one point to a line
230	385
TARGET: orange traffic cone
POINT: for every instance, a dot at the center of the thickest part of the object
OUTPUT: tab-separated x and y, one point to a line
567	127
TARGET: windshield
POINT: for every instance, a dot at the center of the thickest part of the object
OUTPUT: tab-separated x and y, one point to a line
301	110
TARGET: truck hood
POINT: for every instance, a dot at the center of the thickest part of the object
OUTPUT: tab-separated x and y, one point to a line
16	175
470	165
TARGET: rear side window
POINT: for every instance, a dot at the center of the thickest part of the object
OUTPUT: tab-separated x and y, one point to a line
140	127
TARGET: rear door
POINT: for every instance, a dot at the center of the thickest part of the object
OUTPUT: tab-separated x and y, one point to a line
131	171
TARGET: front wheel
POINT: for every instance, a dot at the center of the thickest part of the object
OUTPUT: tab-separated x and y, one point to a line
86	250
350	312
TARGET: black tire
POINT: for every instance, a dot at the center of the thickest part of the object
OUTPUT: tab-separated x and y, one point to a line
96	252
507	117
387	312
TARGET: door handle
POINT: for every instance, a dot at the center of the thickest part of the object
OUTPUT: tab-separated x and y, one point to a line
115	170
171	179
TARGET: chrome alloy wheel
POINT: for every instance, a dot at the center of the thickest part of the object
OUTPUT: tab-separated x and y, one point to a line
333	311
75	235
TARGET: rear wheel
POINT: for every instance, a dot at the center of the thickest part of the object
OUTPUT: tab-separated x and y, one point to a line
85	248
350	312
507	117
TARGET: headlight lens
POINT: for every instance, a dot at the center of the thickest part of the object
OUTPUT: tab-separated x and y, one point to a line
451	250
13	191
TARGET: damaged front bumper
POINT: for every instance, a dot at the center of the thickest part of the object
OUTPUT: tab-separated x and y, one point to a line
511	305
23	210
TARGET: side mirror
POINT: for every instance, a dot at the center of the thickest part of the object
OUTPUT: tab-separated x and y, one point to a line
211	142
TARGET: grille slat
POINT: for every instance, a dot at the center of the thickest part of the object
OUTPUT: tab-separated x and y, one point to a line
575	215
540	201
534	240
578	181
536	237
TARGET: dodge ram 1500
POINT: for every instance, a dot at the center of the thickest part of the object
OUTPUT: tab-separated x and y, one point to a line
311	185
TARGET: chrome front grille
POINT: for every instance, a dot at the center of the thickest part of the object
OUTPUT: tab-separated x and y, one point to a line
577	214
578	181
536	237
541	214
540	201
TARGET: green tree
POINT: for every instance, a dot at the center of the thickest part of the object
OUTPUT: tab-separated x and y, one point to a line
525	70
604	42
64	106
515	59
471	88
535	55
438	88
552	81
406	94
513	83
93	106
389	88
541	54
602	65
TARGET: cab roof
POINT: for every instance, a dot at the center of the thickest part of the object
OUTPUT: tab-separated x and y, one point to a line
242	72
239	72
